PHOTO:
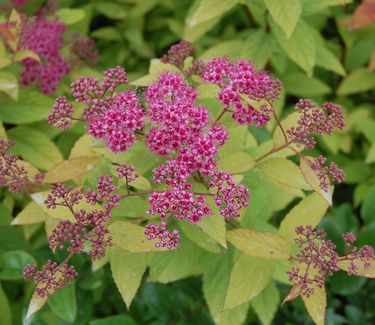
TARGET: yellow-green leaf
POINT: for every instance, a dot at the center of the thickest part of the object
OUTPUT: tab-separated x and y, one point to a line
266	303
26	54
285	13
370	273
284	171
278	136
260	244
69	169
5	310
131	237
36	303
127	271
316	305
308	211
70	16
249	276
9	84
236	162
312	179
31	214
357	81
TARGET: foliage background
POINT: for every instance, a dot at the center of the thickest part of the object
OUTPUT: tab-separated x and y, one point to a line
329	56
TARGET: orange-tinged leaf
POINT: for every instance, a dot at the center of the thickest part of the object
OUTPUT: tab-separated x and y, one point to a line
260	244
312	179
363	15
36	303
293	294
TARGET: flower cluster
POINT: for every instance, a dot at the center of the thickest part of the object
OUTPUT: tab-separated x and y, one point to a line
177	54
326	173
314	120
13	173
61	113
88	227
44	37
240	83
317	259
165	238
83	51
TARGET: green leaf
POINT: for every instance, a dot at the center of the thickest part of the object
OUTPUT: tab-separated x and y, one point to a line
5	311
259	47
131	237
227	48
313	7
35	147
215	284
266	303
285	13
69	169
70	16
368	206
26	54
249	276
31	214
63	303
298	84
300	47
127	271
107	33
187	260
370	157
197	236
240	139
111	10
193	33
31	107
114	320
316	305
236	162
12	264
327	60
209	9
260	244
9	85
285	172
308	211
358	81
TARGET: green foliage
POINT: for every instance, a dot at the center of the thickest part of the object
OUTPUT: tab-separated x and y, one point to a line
220	274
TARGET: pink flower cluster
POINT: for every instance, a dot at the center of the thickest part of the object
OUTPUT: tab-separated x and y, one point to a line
317	258
165	238
243	79
12	173
314	120
326	173
88	227
61	113
177	53
44	37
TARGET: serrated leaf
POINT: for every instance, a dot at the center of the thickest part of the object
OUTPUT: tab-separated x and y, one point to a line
127	271
266	303
284	171
31	214
300	47
369	273
69	169
236	162
215	285
249	276
357	81
285	13
308	211
209	9
131	238
316	305
260	244
313	180
34	147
